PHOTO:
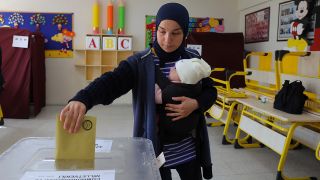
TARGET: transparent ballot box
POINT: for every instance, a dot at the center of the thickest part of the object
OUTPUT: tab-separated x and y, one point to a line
115	158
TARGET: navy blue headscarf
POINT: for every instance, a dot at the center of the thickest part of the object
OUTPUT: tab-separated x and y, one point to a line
178	13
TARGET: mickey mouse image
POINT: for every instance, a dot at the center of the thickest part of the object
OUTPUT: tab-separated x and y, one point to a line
299	27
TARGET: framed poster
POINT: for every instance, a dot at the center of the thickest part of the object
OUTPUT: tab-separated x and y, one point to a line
257	26
286	14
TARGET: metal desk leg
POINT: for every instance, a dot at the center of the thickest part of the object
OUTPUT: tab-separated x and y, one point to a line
280	175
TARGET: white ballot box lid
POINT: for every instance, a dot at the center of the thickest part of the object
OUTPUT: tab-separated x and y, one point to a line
126	158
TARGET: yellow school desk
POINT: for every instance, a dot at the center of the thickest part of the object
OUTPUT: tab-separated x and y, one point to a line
225	112
271	127
124	158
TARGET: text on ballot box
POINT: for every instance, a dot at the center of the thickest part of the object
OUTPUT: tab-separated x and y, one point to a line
70	175
103	145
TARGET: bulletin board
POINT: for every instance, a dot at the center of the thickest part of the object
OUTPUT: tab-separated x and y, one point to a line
56	28
196	24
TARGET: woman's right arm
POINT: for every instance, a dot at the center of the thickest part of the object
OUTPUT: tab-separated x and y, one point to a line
103	90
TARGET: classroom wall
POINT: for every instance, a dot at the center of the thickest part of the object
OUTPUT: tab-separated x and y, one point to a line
63	79
308	66
245	7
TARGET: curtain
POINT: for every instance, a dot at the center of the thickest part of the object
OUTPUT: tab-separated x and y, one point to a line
21	74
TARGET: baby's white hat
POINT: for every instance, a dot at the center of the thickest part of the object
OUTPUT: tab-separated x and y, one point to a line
190	71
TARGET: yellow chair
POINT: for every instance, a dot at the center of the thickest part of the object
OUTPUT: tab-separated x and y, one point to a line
262	80
226	109
275	128
291	68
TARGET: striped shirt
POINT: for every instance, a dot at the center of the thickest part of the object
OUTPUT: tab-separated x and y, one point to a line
179	153
167	66
183	151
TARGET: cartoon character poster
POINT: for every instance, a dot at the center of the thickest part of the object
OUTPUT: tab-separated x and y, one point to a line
56	28
300	26
195	25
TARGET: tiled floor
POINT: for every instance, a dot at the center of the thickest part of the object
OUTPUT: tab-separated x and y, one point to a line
228	163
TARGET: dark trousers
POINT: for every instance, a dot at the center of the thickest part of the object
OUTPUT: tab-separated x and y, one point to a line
187	171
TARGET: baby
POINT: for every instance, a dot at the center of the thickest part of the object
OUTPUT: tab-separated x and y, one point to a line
184	80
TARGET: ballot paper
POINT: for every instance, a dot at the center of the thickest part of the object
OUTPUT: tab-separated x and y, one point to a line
76	146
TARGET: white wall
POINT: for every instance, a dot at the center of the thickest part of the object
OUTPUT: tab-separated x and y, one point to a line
272	44
244	4
310	67
63	79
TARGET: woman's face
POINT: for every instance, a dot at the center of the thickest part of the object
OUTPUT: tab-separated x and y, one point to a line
169	35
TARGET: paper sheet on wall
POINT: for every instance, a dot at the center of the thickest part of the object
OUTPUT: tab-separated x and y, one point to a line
20	41
197	47
69	175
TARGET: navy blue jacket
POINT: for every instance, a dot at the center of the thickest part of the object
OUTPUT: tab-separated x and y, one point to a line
138	74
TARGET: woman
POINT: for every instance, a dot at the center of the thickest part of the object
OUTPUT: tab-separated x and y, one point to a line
138	74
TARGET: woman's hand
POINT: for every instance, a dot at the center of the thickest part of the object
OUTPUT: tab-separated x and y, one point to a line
182	110
72	116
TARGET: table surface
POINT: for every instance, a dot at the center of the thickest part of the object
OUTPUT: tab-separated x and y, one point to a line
267	108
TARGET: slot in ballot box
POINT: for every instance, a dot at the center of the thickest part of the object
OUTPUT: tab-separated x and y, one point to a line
115	158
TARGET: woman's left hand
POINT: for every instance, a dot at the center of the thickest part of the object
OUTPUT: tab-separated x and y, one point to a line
182	110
